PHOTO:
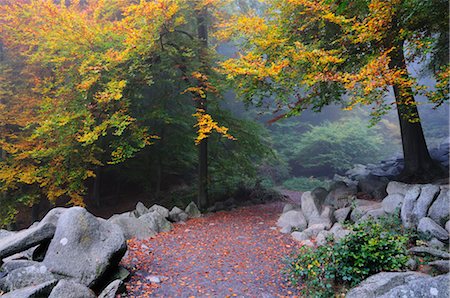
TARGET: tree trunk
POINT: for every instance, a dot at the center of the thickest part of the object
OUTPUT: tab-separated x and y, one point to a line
419	167
96	188
202	31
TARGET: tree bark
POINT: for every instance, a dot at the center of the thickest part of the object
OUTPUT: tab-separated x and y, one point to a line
202	33
419	166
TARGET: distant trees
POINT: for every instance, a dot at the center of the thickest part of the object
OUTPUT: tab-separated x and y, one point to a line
310	53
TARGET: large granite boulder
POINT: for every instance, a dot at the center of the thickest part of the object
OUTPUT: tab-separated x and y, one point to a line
379	284
160	209
428	194
407	215
310	205
393	203
26	276
132	227
428	227
192	210
325	218
37	291
177	215
395	187
156	222
422	287
374	186
439	210
25	239
140	209
340	195
292	220
342	214
71	289
84	247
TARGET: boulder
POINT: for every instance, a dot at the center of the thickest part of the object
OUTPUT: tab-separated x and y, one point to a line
299	236
339	232
439	210
37	291
177	215
374	186
340	195
290	220
111	290
409	202
428	194
435	243
379	284
27	276
428	227
424	251
132	227
422	287
314	230
140	209
357	172
71	289
393	203
373	214
84	247
322	237
395	187
25	239
342	214
160	209
53	215
319	194
441	266
310	205
5	233
325	218
156	222
192	210
288	207
12	265
447	226
361	210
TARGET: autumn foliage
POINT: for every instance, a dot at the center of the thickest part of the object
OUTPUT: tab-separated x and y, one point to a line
72	74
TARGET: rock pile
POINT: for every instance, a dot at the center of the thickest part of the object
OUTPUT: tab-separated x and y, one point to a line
392	167
76	253
71	253
422	207
146	222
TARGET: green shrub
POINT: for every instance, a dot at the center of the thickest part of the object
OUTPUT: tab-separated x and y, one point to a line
305	183
370	249
315	269
374	246
338	145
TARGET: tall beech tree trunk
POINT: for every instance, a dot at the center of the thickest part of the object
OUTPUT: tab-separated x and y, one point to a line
202	33
419	167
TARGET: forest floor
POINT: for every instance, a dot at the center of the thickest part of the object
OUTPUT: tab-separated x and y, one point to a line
225	254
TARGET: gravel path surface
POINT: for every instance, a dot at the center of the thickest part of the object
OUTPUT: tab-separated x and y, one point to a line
237	253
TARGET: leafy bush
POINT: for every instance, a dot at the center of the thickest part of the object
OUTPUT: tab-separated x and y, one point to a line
338	145
305	183
371	248
315	268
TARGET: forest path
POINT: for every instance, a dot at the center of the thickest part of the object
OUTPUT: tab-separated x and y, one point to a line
224	254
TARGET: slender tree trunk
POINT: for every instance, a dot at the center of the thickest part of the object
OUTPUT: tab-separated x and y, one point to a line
419	167
202	31
96	188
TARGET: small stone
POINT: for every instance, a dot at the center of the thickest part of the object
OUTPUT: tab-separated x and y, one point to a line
153	279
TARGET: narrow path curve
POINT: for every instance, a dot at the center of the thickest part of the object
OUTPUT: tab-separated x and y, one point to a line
224	254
